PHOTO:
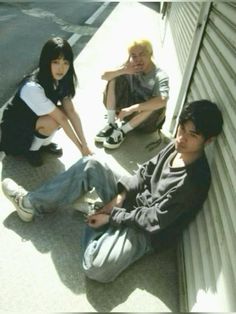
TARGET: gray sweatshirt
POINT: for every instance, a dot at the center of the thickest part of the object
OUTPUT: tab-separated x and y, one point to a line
162	200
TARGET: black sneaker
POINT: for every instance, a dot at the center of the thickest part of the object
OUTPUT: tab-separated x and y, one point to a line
116	138
34	158
53	149
104	133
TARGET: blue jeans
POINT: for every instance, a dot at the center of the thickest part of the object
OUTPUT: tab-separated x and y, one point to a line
108	250
68	186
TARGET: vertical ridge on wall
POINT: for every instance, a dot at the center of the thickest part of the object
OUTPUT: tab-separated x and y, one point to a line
183	21
209	243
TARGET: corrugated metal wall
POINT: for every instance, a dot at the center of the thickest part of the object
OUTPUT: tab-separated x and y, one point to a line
180	30
183	20
210	242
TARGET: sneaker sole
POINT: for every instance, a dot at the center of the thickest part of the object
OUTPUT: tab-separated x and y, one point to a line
99	139
26	217
112	146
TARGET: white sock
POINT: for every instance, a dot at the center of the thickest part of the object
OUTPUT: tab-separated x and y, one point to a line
48	139
37	143
111	115
126	127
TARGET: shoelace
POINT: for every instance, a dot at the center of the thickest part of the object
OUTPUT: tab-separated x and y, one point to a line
19	193
19	201
107	127
16	198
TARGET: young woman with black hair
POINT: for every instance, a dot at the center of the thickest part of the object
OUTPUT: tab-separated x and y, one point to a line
41	105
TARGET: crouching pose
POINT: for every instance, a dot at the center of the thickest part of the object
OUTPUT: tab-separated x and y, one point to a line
141	212
42	104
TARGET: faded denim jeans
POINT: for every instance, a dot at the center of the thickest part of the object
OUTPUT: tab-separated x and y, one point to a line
107	250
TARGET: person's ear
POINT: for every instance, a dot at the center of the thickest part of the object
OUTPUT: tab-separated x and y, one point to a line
210	140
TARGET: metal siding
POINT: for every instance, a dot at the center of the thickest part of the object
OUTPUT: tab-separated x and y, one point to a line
209	84
209	243
186	24
183	21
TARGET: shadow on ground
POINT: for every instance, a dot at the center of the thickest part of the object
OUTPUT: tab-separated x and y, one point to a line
60	235
137	149
51	245
28	176
156	281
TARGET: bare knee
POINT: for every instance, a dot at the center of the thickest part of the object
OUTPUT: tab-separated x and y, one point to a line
95	164
46	125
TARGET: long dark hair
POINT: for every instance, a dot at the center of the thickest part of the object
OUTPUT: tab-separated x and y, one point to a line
55	48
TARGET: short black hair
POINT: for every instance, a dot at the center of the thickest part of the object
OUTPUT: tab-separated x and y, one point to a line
205	115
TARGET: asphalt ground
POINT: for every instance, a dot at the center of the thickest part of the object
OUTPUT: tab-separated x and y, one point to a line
40	262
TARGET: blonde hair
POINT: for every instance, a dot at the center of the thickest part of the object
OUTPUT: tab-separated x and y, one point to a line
145	43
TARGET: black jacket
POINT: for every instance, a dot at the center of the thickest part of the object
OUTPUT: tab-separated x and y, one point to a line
162	200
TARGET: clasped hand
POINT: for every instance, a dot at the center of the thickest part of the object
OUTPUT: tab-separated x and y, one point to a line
102	216
97	220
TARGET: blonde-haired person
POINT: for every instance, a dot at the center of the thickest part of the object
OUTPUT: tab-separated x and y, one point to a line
136	94
145	43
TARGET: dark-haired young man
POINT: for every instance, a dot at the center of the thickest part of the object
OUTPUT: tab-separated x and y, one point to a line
141	212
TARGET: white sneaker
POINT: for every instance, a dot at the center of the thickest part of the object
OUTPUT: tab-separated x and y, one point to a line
84	208
15	194
88	208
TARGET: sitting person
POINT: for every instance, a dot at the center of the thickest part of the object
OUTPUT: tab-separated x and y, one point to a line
136	94
142	212
42	104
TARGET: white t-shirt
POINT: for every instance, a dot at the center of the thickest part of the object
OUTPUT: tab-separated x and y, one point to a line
34	96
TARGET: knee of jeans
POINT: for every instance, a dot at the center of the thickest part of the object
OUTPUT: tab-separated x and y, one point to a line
95	269
94	164
98	274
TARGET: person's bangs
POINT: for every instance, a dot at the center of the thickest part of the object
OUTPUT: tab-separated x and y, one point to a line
62	53
66	53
